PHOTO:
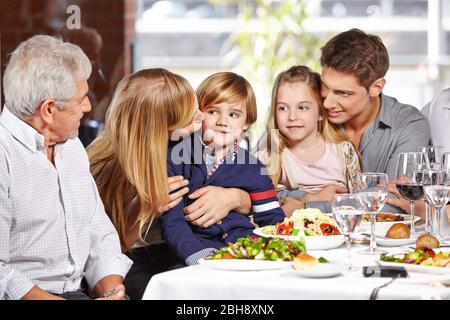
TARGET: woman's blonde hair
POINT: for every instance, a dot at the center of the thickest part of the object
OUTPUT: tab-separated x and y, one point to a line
129	159
275	141
227	87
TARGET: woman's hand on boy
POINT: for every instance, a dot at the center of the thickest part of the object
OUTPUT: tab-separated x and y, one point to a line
177	189
212	205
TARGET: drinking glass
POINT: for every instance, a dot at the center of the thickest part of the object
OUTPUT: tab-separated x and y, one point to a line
434	155
446	161
430	177
348	212
373	192
438	197
409	179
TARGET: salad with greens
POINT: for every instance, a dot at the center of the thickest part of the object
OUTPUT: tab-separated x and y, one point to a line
421	256
308	222
253	247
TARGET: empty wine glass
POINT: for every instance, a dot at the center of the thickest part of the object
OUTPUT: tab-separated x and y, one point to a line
434	155
430	177
446	161
348	212
373	192
438	197
409	179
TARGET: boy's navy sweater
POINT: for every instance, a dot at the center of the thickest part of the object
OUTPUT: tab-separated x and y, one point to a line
190	242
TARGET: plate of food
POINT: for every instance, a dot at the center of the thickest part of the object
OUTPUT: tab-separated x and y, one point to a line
425	260
307	266
398	234
319	230
384	221
255	253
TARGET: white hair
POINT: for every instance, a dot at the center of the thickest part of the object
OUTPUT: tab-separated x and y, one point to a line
41	68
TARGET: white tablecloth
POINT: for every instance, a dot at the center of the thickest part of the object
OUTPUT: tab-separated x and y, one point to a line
203	283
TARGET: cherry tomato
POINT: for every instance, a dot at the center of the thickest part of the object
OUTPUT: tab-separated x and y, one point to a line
284	229
328	229
427	251
227	256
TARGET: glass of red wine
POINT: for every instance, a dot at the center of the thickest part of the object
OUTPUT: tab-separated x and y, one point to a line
410	167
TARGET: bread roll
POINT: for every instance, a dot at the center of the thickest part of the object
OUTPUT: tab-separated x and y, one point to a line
398	231
305	262
427	241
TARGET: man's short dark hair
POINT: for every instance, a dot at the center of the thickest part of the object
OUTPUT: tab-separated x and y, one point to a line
356	52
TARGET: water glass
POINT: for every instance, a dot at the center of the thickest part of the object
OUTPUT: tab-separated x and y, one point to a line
373	192
348	211
434	154
438	197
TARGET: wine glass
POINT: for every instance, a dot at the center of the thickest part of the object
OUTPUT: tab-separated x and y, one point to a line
430	177
348	212
434	155
446	161
409	179
373	193
438	197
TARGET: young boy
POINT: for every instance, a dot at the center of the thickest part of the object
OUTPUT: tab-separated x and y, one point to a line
213	157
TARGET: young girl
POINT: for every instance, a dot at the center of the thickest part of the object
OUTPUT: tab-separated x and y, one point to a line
228	103
302	149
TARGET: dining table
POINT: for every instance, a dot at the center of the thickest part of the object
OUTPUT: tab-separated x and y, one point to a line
202	282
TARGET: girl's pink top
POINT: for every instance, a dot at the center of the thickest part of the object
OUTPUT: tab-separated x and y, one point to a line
328	170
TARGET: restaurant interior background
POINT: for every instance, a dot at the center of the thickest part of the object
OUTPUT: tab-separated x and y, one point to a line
258	39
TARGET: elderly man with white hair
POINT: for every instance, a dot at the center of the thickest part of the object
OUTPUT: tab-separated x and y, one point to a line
54	231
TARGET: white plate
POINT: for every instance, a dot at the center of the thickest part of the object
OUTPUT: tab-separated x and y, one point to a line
322	270
394	242
311	242
419	268
382	227
244	264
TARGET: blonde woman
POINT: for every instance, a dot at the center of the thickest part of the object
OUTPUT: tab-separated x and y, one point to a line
304	152
129	164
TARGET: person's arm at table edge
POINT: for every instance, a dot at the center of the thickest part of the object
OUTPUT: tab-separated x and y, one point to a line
37	293
302	197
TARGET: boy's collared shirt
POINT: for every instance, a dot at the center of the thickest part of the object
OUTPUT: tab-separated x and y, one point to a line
189	242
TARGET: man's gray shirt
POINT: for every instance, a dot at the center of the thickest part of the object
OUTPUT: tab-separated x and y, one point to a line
397	128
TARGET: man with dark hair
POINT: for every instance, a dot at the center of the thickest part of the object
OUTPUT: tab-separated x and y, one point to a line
354	64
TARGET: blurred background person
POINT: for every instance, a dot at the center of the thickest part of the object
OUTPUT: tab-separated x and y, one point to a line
90	41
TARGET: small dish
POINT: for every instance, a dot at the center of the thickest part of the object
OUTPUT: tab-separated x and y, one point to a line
387	242
322	270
